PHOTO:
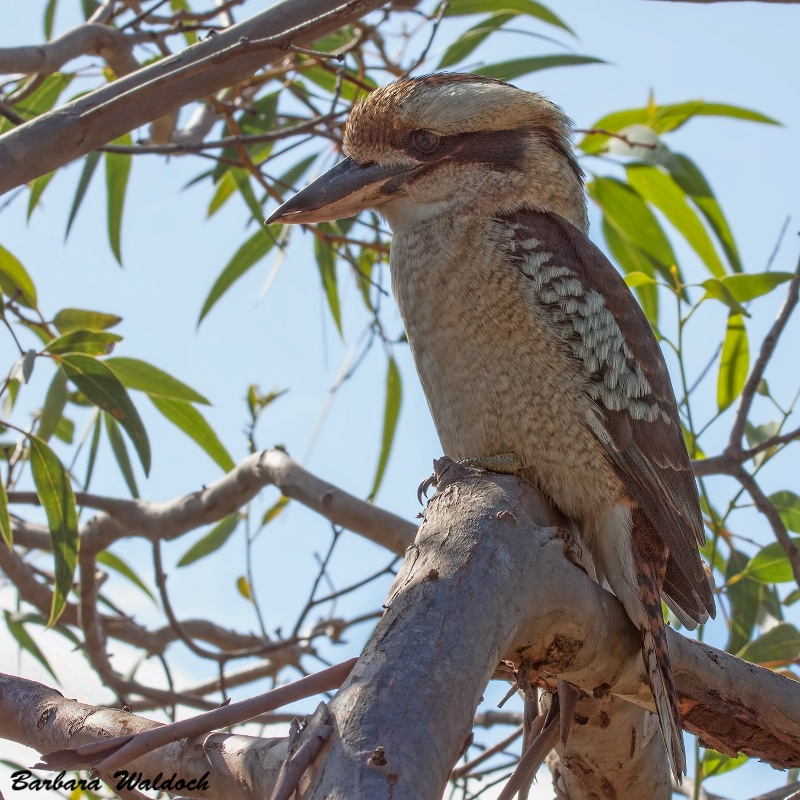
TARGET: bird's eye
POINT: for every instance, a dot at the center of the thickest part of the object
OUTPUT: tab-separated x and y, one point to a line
425	141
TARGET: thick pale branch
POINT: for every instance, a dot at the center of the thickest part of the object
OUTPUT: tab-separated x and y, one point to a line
236	766
72	130
486	581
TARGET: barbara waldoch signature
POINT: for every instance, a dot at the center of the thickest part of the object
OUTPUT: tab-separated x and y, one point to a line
25	779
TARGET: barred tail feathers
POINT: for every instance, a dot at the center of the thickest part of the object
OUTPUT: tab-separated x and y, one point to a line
632	559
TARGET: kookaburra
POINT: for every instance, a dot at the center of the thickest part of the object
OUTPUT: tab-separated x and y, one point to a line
531	349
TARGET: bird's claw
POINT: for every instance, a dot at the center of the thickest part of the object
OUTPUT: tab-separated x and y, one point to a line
425	486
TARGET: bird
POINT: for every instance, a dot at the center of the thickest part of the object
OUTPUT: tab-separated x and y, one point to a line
534	356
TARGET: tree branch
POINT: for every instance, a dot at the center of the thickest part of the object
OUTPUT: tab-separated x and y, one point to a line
72	130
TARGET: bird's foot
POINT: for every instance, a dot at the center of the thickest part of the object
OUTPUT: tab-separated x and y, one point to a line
504	463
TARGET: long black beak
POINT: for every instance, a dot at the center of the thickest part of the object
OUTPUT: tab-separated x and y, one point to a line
344	191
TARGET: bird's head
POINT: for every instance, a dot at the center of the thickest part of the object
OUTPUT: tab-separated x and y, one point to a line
421	146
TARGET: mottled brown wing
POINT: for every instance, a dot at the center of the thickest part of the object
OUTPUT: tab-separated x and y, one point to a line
649	454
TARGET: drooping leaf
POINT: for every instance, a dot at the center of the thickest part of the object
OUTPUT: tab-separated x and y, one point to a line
744	596
788	505
638	269
226	186
671	117
49	16
73	319
468	41
93	446
517	67
770	564
212	541
689	177
15	281
27	643
631	218
394	396
37	187
326	262
93	343
144	377
352	86
108	559
186	417
65	430
734	362
104	389
42	98
120	451
54	402
530	8
718	290
118	168
247	256
89	165
756	434
781	643
715	763
55	493
242	179
243	587
5	520
661	190
275	509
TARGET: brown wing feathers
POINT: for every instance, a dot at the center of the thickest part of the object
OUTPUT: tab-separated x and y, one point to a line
648	454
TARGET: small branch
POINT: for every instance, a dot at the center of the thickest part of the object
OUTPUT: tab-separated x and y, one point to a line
765	354
767	508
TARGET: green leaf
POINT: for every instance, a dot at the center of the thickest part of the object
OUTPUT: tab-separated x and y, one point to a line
242	179
770	564
631	218
661	190
118	168
715	763
55	493
293	174
517	67
326	262
73	319
121	453
734	362
212	541
54	402
469	40
144	377
5	520
42	98
757	435
394	396
89	165
717	290
662	119
102	387
351	89
748	286
457	8
15	281
26	642
744	596
781	643
671	117
114	562
183	5
49	16
638	269
247	256
193	424
37	187
243	587
65	430
275	509
93	447
788	505
688	176
93	343
226	186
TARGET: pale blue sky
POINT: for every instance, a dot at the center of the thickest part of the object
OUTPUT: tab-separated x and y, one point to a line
739	53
